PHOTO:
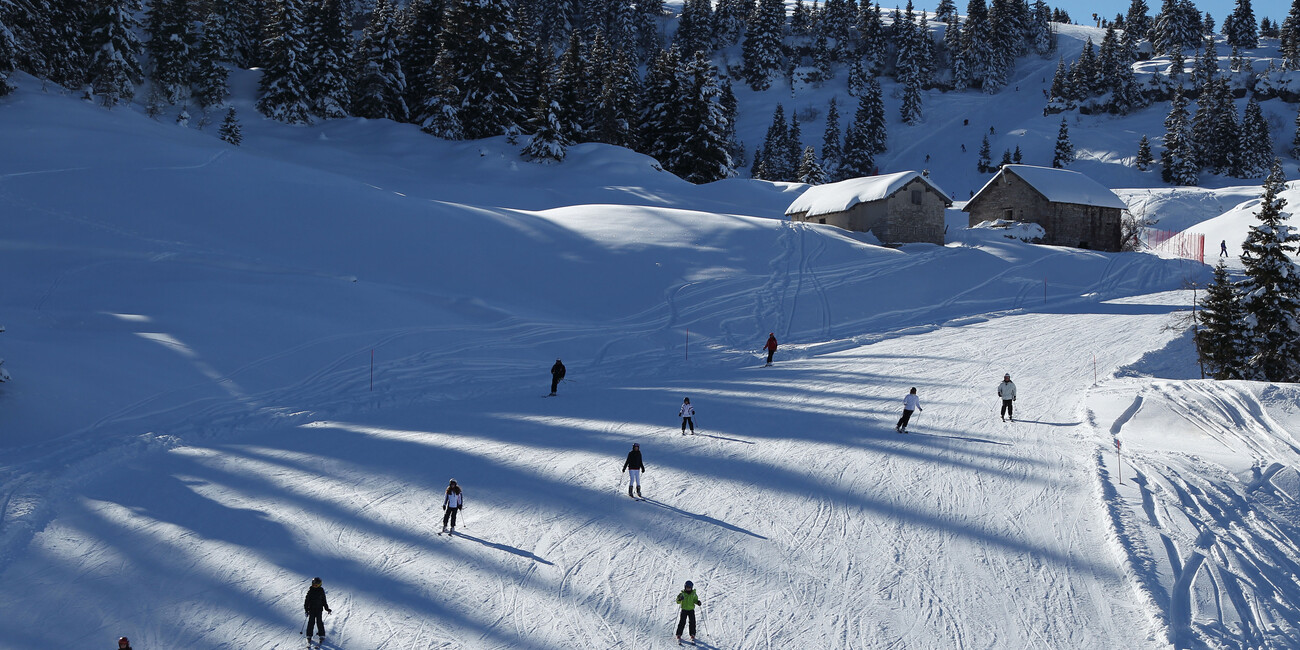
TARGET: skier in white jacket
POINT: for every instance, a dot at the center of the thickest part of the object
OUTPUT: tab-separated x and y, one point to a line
1007	391
910	403
687	414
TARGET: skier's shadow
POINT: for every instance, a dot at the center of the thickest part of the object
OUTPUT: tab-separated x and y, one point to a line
509	549
704	518
708	435
966	438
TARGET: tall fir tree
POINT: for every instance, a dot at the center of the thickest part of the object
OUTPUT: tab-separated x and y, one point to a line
481	67
702	155
695	27
230	131
776	148
1178	160
761	53
660	101
616	106
1223	343
420	48
1242	30
1271	288
810	170
1144	159
282	91
1289	35
378	81
1064	152
329	58
832	148
171	47
115	51
8	55
548	143
211	78
1136	20
985	161
1256	154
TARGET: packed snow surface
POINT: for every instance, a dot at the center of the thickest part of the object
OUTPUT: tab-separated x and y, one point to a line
239	368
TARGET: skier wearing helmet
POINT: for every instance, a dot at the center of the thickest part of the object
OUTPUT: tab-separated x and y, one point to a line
1007	391
313	604
689	599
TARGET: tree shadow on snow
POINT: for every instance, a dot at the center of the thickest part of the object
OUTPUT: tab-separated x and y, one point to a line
502	547
704	518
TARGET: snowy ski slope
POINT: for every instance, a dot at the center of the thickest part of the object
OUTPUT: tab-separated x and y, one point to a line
192	432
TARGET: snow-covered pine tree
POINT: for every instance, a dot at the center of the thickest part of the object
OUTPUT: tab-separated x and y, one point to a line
762	53
871	31
858	159
1137	19
1176	64
1244	31
1206	66
1062	89
1044	38
1289	35
729	21
695	27
49	36
282	91
944	10
985	162
832	149
835	23
793	147
730	111
870	119
230	130
702	155
1172	29
483	64
1295	138
572	90
810	171
1178	160
170	47
1016	156
378	81
329	59
801	20
776	148
1223	341
548	142
660	101
183	117
114	50
858	75
8	55
211	78
1271	289
1256	153
1064	152
1006	158
616	107
977	42
1144	159
1224	143
910	109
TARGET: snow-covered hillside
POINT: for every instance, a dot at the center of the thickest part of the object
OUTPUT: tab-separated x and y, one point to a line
195	427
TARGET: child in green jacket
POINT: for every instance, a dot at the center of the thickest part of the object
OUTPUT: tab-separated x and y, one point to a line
689	599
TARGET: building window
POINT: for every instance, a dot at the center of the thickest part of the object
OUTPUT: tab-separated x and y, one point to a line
822	220
916	197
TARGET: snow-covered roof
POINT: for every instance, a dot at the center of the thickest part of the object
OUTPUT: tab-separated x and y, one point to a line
838	197
1062	186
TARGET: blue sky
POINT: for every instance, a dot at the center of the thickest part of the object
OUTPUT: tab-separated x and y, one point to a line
1080	10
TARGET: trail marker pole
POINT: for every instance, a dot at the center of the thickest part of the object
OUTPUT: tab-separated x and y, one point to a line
1119	463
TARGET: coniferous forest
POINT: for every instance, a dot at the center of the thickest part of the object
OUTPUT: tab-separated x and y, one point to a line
631	73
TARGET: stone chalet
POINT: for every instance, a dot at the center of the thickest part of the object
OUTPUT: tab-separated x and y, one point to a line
897	208
1073	210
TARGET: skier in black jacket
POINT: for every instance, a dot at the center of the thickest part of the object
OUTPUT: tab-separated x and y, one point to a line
634	467
313	604
557	373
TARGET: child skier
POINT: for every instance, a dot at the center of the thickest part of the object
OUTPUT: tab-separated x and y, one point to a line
687	414
451	504
313	604
689	599
634	466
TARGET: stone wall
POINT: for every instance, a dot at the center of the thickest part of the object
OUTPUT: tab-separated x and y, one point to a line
893	220
1066	224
